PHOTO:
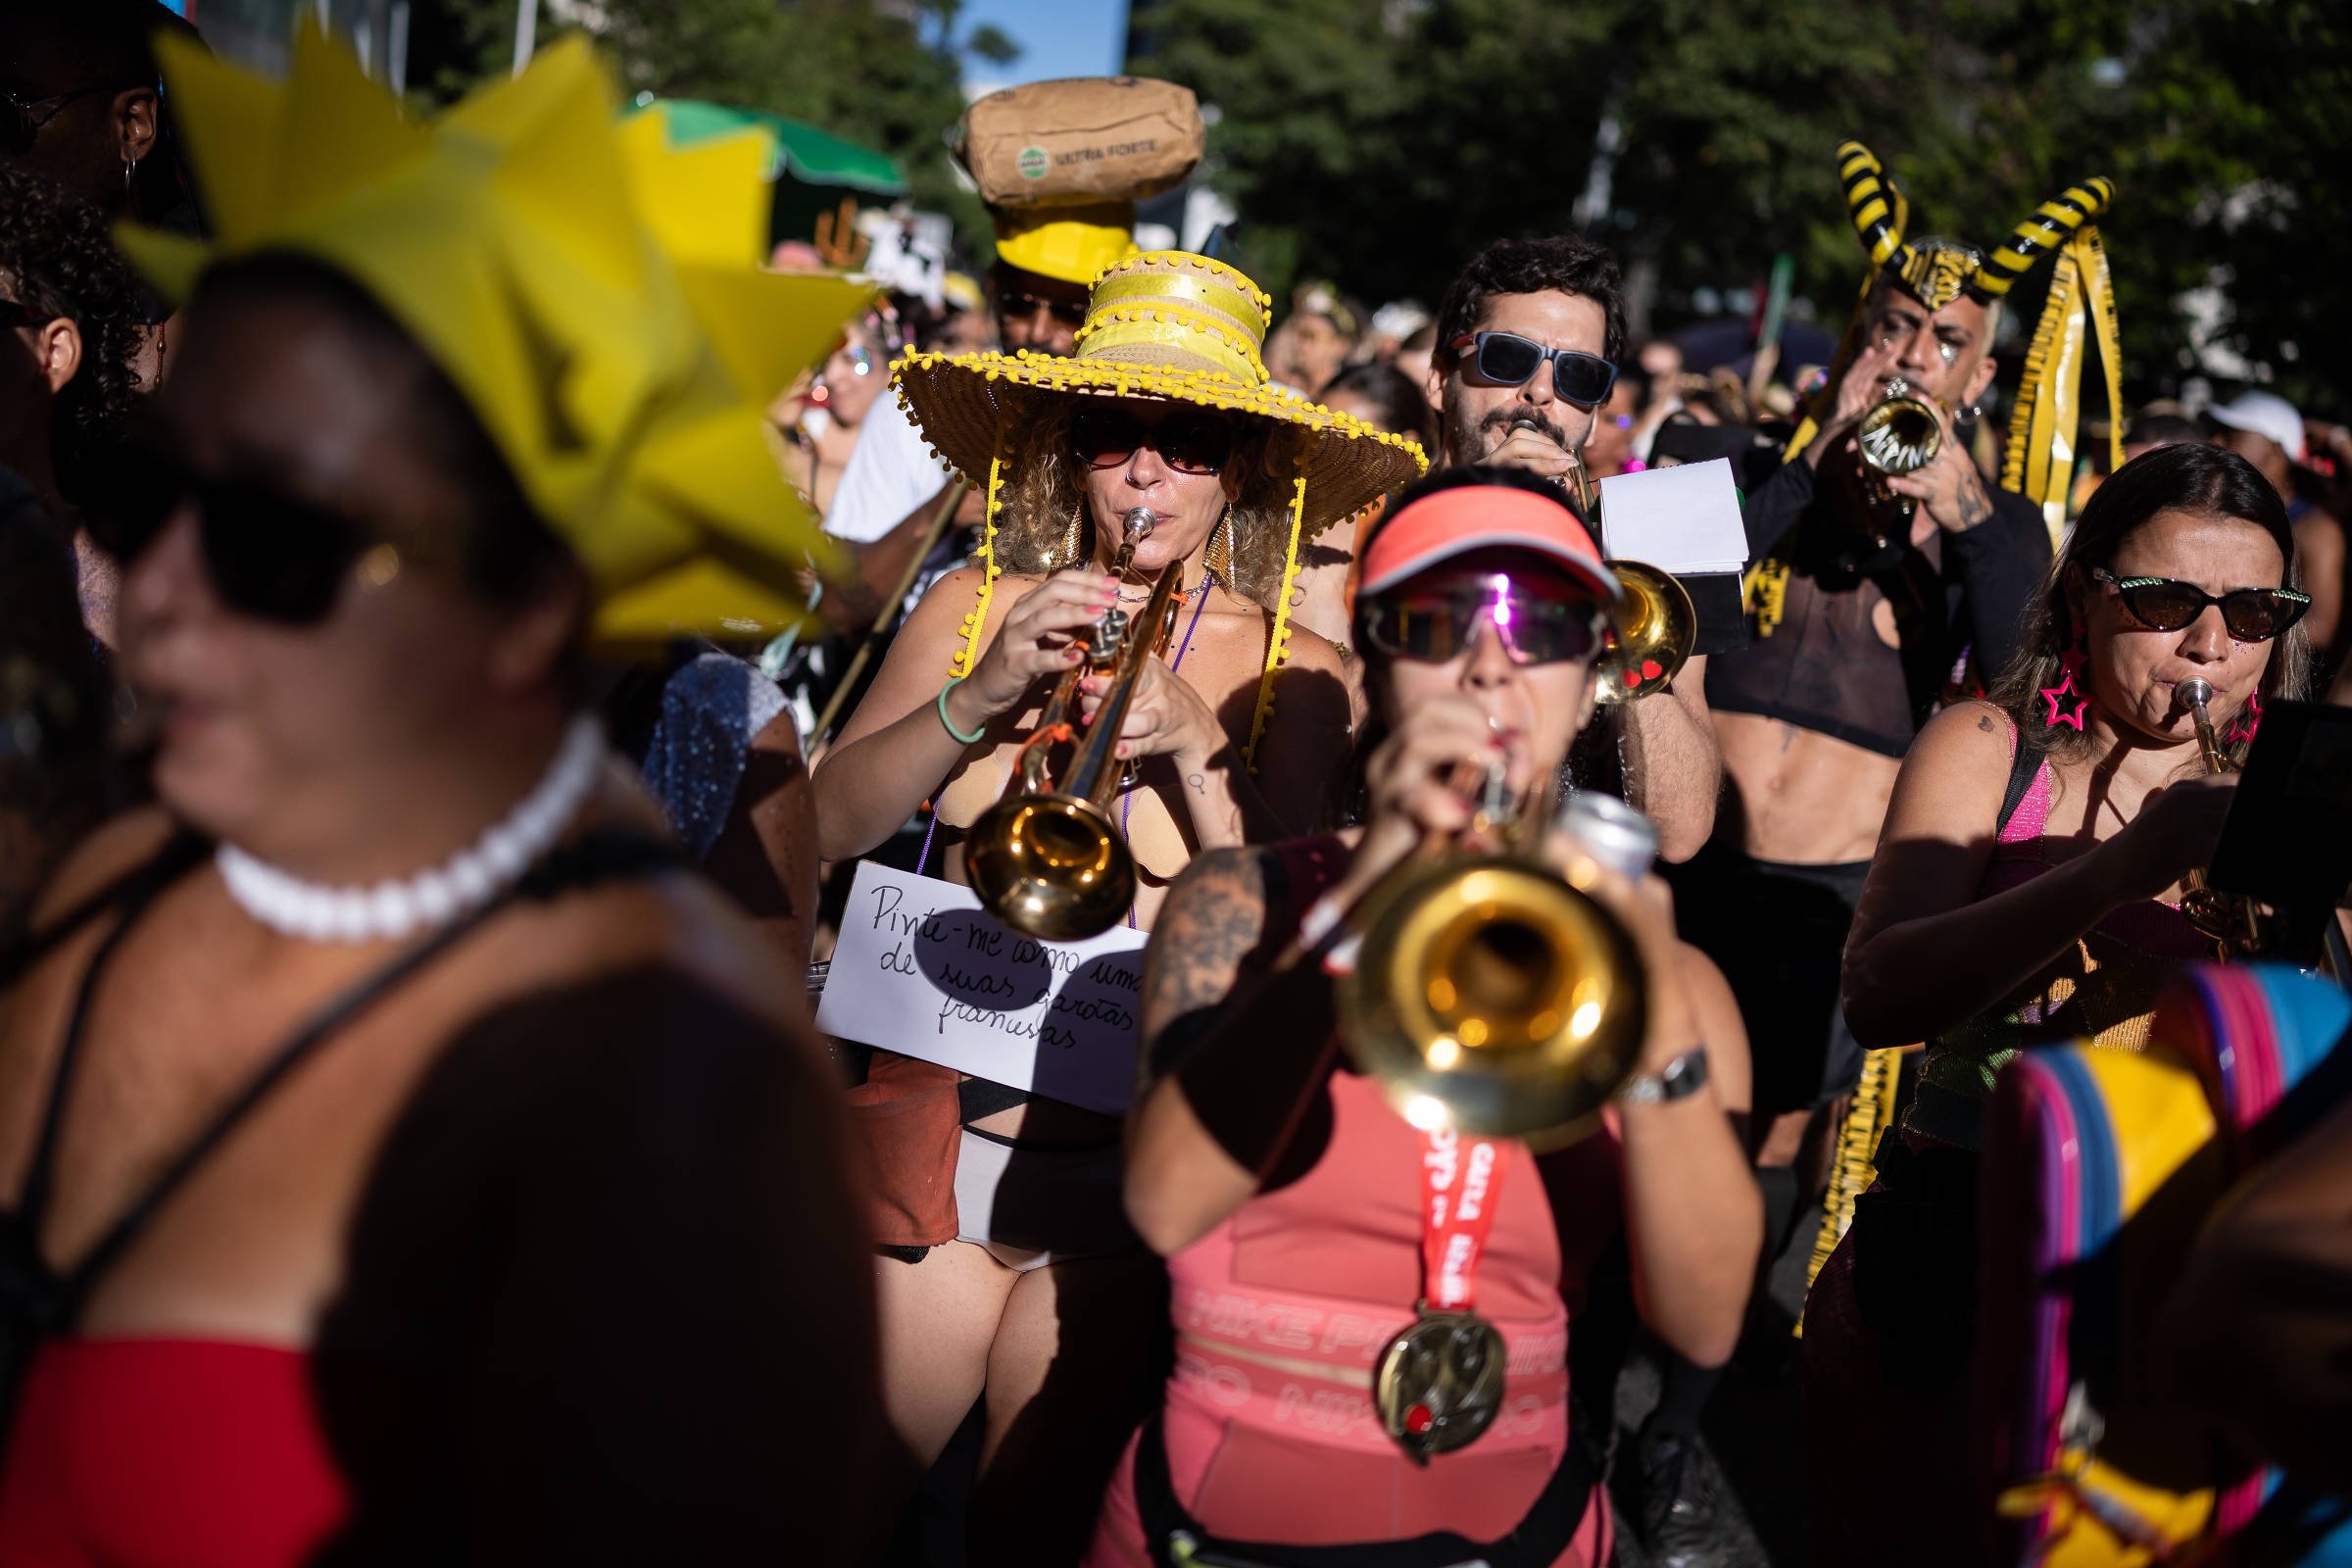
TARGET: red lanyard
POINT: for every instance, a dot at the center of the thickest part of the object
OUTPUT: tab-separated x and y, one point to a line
1461	1181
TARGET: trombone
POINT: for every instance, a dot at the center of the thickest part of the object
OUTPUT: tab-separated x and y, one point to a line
1047	860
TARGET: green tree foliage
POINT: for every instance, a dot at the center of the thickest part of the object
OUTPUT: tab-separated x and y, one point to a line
886	77
1379	143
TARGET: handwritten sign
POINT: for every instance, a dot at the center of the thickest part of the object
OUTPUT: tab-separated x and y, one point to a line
920	970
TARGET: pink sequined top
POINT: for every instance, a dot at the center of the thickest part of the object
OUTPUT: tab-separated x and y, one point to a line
2103	988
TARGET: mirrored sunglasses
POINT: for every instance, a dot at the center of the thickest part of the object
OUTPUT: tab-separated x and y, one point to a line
1437	625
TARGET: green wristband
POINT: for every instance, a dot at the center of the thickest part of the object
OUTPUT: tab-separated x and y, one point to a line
948	723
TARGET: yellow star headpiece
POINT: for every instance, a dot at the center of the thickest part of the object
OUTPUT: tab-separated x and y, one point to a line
596	296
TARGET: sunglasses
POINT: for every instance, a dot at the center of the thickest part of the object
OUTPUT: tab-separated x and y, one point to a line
1018	305
21	120
269	555
1509	360
1189	443
2162	604
1438	626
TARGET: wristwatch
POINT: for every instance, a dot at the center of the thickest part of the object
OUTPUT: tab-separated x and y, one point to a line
1686	1075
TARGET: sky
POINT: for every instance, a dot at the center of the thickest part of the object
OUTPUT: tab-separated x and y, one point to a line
1057	38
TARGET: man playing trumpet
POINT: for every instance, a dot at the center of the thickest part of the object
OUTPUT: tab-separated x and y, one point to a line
1871	587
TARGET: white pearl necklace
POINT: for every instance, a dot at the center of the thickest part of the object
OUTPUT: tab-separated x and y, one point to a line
390	910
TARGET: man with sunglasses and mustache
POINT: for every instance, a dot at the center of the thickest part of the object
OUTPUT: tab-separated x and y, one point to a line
1528	340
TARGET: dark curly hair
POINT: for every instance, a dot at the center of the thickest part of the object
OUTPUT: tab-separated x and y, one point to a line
1564	264
55	258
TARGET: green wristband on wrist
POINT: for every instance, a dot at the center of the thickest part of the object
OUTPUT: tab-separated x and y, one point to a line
948	723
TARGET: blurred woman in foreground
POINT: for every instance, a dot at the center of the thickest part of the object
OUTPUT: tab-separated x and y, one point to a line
1288	1197
2028	888
405	1159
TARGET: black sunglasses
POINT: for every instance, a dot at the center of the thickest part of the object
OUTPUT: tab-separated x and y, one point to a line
1509	360
1016	305
20	123
2163	604
269	555
1436	625
1189	443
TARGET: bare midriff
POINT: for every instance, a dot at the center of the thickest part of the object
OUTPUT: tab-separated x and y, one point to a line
1799	797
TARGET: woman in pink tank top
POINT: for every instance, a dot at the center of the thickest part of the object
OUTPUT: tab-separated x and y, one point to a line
2027	889
1305	1222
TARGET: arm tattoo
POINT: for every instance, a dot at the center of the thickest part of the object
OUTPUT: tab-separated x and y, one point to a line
1199	782
1984	723
1213	919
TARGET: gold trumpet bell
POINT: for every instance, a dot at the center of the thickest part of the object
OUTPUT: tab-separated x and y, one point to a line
1493	997
1051	866
1899	435
1654	630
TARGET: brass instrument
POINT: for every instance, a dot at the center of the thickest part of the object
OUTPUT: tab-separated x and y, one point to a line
1651	632
1488	994
1577	488
1047	860
1900	434
2229	919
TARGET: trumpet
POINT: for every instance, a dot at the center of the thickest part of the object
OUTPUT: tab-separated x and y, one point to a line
1651	632
2228	919
1488	994
1900	434
1047	860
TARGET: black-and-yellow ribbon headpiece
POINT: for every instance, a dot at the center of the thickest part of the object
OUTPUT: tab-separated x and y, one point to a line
2040	459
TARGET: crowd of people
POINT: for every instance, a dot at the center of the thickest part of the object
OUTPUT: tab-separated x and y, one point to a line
471	605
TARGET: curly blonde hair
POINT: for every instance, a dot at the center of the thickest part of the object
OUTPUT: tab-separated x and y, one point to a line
1046	489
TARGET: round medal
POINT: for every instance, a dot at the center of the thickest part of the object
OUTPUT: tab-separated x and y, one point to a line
1440	1382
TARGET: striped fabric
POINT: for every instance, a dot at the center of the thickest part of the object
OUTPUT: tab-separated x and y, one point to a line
2099	1168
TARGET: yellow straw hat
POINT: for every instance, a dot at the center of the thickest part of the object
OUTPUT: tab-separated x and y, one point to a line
596	296
1164	324
1161	324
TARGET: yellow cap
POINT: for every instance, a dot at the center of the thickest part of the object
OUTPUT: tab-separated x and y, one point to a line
595	295
1071	243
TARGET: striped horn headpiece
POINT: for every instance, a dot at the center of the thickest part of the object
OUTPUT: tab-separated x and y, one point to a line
2039	456
1940	273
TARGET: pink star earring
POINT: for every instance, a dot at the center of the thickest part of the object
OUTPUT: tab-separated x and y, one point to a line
2248	720
2070	668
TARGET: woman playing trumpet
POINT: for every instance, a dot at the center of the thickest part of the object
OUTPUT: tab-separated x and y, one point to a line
2027	887
999	1215
1288	1195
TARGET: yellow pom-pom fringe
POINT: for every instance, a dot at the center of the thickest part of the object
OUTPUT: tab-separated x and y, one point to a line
968	657
1278	645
